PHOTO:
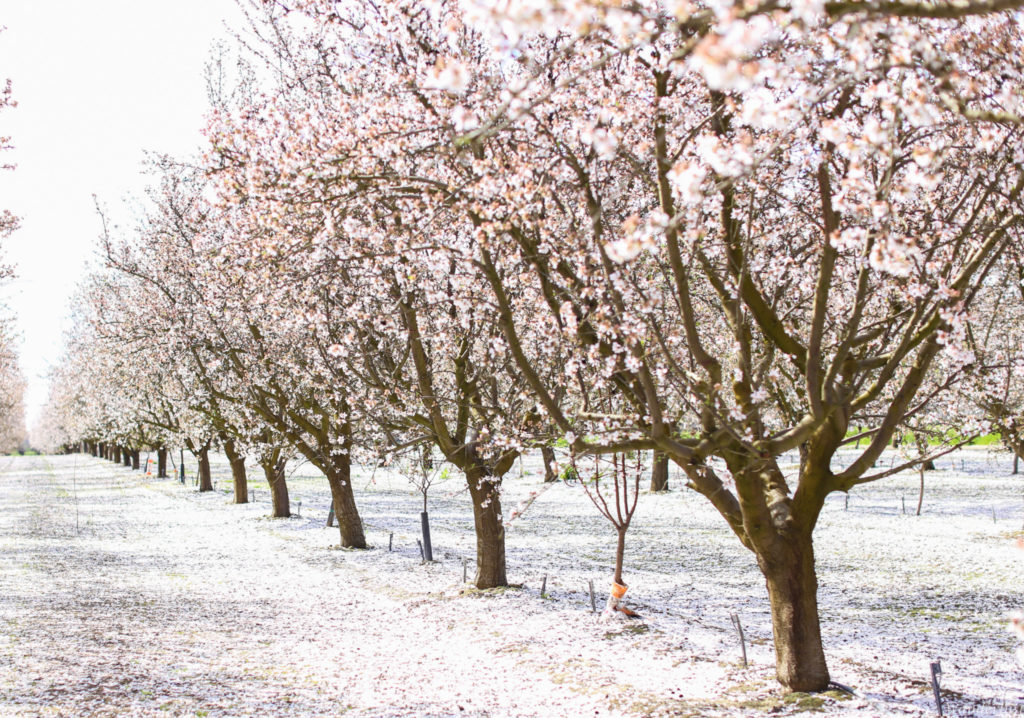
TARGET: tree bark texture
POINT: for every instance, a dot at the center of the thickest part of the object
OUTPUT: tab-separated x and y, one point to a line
793	593
135	459
338	470
273	470
548	455
238	476
205	479
659	472
490	532
161	463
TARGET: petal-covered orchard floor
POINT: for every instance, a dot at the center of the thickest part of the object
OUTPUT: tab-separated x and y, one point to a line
123	595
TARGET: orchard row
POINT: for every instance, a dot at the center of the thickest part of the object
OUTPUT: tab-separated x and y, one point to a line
471	230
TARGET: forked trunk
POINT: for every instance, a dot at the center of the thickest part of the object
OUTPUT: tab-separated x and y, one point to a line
338	470
273	470
793	594
548	455
659	472
205	479
161	463
490	532
238	476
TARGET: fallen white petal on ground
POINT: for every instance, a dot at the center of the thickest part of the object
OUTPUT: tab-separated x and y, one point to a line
122	595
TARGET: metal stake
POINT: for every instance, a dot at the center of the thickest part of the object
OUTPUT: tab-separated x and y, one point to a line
743	641
936	672
543	586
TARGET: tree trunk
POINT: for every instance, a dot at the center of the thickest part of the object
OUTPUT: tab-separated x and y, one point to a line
126	457
205	479
338	470
659	472
922	450
273	469
920	492
161	463
548	455
490	532
116	458
135	460
238	477
793	594
620	553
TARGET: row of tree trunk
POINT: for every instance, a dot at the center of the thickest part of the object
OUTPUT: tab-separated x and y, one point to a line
125	455
490	533
659	470
273	465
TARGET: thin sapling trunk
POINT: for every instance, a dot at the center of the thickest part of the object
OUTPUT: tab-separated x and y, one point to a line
421	471
625	484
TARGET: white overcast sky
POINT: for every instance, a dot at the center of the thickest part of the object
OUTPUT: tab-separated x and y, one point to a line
97	83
